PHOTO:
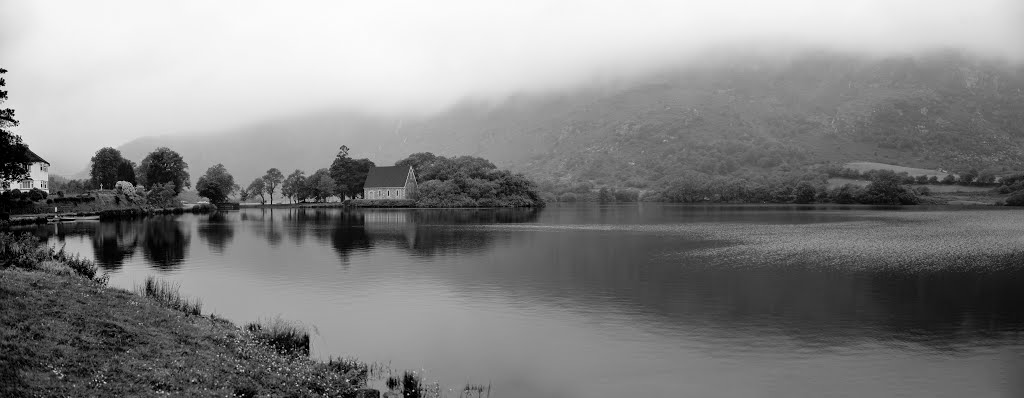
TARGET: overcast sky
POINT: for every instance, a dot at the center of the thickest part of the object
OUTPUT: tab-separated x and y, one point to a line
87	74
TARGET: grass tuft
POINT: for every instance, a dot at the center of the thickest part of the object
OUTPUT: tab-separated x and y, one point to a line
166	293
284	336
28	252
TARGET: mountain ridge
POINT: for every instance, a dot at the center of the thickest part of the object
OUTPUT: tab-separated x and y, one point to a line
740	116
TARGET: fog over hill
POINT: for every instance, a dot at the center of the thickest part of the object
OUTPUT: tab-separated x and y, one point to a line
728	114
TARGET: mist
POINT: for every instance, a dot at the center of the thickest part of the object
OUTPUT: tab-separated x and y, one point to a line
83	75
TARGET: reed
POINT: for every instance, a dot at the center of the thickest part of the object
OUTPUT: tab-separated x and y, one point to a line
284	336
166	293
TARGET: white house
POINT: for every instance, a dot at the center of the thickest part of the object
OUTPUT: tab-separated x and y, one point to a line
38	177
390	182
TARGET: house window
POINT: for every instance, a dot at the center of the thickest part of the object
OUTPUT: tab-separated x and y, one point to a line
26	184
389	193
42	184
43	168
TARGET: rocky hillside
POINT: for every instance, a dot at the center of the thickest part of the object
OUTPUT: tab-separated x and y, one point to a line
737	116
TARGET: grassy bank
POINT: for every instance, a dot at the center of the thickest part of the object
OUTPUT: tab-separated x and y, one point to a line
64	333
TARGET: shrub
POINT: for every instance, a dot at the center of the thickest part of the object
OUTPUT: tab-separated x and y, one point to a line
355	372
125	188
412	386
381	203
36	194
286	337
1016	199
21	251
166	293
161	194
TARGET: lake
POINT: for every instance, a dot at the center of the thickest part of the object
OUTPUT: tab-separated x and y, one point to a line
645	300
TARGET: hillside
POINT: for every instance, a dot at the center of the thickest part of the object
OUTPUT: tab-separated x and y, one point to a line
735	116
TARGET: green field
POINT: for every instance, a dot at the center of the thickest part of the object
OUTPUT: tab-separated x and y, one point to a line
838	182
913	171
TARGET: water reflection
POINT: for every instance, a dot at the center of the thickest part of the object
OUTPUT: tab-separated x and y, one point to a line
115	241
601	264
218	230
166	242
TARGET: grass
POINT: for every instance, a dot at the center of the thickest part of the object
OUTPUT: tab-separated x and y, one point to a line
65	335
68	336
166	293
913	171
284	336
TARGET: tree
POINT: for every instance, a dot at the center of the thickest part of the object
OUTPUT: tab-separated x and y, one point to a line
349	174
164	166
217	184
258	187
14	159
243	194
107	168
126	171
271	180
291	185
320	185
804	193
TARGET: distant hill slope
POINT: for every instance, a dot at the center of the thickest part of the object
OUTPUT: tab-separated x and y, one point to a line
737	116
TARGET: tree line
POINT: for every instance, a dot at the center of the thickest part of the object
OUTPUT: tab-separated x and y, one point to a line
344	178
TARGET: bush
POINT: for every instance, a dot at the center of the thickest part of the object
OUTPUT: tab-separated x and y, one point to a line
125	188
36	194
27	251
1016	199
381	203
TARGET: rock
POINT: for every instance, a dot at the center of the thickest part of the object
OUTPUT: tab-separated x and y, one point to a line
368	393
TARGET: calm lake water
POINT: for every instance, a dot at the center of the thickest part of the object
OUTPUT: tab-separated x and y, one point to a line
616	301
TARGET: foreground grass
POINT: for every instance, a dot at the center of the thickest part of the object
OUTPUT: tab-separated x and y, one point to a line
65	335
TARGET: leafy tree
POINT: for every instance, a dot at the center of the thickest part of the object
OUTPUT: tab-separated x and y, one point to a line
349	174
320	185
804	193
419	161
885	189
164	166
217	184
271	180
1017	199
293	184
126	171
162	194
258	187
107	167
243	194
14	160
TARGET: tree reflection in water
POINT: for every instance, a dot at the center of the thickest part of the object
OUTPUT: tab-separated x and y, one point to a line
166	243
218	230
349	235
115	241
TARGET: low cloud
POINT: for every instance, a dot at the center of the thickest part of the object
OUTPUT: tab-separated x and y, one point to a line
90	74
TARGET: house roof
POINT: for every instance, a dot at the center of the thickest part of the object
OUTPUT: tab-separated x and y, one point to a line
32	157
387	176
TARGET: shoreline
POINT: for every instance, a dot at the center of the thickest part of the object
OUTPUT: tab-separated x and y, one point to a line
66	333
107	214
